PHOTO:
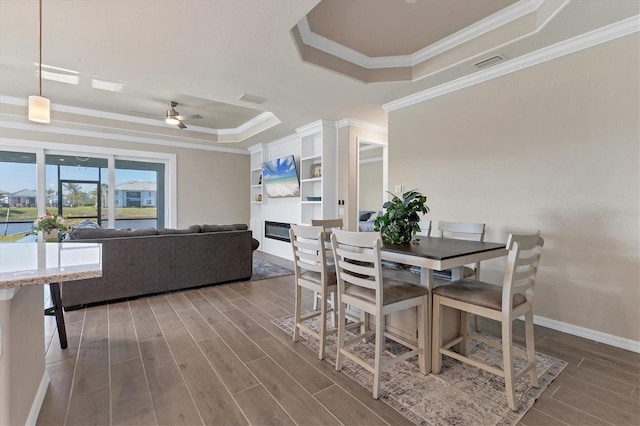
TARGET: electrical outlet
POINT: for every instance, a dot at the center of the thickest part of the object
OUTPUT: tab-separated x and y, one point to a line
398	189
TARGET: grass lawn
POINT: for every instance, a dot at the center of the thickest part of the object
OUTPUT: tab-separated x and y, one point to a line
30	213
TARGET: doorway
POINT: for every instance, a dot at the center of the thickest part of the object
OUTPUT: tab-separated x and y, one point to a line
371	182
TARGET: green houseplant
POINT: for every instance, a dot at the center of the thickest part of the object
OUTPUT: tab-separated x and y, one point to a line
401	220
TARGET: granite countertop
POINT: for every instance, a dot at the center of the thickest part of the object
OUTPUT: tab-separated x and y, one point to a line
23	264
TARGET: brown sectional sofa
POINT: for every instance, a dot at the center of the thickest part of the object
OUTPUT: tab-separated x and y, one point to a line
147	261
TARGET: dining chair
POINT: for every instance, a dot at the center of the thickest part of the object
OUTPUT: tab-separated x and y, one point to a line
425	228
329	225
504	304
461	231
361	285
312	272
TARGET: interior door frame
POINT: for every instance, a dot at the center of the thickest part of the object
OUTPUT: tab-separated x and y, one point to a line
385	170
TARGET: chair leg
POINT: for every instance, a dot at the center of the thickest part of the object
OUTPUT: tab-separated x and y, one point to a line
323	323
341	335
334	316
380	326
531	348
464	332
436	338
423	324
297	308
508	363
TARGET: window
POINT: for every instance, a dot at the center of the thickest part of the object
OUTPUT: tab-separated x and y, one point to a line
118	188
18	194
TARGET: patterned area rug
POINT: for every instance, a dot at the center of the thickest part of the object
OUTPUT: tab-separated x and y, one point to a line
263	270
459	395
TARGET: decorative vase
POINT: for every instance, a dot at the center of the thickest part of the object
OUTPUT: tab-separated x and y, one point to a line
49	237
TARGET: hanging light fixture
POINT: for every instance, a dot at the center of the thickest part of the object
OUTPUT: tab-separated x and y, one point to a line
39	106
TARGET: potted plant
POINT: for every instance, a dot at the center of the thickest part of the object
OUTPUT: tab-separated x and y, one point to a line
401	220
52	227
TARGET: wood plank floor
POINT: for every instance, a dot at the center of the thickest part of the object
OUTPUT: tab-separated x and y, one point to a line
211	356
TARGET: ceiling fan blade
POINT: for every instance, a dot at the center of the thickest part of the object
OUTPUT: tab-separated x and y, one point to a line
181	125
188	117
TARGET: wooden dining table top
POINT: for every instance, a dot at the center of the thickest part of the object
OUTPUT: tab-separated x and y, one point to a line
441	248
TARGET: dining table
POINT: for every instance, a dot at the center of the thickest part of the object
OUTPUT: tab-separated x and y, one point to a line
435	254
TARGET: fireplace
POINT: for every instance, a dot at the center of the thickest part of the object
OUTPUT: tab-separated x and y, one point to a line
277	231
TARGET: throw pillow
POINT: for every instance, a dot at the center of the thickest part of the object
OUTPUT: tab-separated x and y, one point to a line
373	217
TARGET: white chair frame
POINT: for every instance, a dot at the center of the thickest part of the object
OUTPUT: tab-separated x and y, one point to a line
357	256
522	265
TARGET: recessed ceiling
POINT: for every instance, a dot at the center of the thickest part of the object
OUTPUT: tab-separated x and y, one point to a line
113	66
394	28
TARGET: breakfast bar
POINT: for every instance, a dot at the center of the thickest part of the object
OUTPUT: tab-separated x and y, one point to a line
24	268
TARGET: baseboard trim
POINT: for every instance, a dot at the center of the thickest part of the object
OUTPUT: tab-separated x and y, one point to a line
38	400
597	336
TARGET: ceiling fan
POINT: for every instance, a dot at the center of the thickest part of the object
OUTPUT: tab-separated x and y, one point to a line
174	117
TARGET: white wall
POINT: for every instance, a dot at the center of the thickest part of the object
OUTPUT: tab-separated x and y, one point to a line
553	147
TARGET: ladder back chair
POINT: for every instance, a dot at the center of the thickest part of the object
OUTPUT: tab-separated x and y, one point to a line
361	285
313	273
461	231
329	225
504	304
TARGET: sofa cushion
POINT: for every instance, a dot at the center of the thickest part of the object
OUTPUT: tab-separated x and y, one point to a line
193	229
93	234
220	228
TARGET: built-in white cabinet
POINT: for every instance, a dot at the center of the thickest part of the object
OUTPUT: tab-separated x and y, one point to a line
314	148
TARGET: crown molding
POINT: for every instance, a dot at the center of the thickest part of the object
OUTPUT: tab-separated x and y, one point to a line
572	45
354	122
114	136
265	117
496	20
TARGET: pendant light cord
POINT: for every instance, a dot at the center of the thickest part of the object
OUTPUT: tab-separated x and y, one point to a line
40	47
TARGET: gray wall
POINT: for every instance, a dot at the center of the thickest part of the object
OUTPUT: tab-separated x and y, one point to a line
553	147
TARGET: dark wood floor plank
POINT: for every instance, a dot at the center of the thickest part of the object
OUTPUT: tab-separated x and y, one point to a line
162	373
347	409
92	366
198	327
602	381
264	304
613	372
130	397
232	371
239	343
119	312
123	344
261	409
598	393
303	372
228	293
216	299
54	406
139	304
594	353
595	407
55	353
193	295
296	401
89	408
215	404
146	325
162	309
182	345
535	417
246	325
209	312
178	301
175	407
566	413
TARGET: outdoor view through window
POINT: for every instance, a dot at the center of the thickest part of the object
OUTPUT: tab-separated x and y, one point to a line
77	189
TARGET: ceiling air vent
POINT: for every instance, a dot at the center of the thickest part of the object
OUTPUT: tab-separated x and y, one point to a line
489	61
252	98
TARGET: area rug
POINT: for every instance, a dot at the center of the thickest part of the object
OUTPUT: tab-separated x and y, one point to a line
459	395
263	269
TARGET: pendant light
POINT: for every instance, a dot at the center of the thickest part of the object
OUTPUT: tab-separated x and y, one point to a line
39	106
